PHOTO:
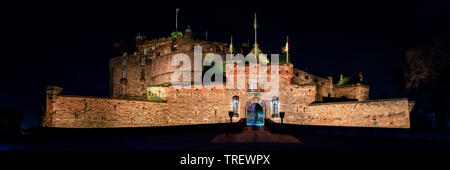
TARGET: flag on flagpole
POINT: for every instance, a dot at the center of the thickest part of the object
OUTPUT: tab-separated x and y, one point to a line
254	25
231	45
287	49
287	45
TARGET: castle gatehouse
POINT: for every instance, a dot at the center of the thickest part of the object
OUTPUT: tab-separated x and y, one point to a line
142	95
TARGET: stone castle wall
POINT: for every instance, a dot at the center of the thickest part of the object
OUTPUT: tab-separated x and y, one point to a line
181	107
91	112
202	106
130	74
388	113
355	91
150	68
324	87
208	105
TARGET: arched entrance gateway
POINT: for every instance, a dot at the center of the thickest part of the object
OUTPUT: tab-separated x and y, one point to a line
255	114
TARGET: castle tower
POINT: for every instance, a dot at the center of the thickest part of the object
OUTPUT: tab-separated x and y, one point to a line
52	93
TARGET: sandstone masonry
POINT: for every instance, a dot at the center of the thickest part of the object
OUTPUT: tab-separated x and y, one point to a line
141	95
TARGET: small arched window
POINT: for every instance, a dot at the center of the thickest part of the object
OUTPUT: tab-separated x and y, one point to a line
235	103
275	105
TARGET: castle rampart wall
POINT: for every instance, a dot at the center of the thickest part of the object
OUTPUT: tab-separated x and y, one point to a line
388	113
209	105
181	107
203	106
94	112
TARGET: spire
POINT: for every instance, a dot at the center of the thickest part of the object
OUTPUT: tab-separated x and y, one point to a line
188	33
188	29
139	37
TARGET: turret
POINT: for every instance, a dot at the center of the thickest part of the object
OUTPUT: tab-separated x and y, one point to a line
188	33
330	78
52	92
360	77
139	39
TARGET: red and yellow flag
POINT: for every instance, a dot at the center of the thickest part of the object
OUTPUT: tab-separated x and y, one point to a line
287	45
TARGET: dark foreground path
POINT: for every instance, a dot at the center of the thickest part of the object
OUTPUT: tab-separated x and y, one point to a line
255	134
246	138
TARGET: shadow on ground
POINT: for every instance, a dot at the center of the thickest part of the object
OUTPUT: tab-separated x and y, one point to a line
235	136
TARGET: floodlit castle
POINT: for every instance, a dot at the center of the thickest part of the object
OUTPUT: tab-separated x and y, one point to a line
142	93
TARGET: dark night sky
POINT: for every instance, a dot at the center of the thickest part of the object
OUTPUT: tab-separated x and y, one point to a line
69	44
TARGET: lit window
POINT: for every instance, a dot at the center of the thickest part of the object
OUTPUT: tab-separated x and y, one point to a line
235	103
124	74
143	61
275	105
124	63
252	85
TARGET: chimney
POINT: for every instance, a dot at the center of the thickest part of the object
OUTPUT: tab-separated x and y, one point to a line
360	77
330	78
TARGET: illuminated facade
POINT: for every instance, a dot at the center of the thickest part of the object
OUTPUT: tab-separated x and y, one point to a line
141	95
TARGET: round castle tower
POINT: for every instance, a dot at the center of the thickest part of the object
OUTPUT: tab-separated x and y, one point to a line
131	74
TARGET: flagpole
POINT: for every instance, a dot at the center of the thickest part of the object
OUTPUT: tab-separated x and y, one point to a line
256	47
176	19
255	29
